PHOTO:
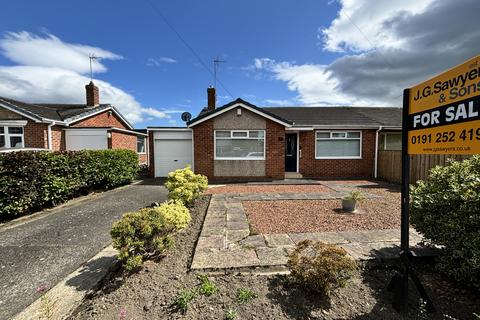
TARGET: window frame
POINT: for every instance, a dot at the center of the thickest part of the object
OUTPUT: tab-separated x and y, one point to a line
360	138
215	157
144	144
384	138
7	135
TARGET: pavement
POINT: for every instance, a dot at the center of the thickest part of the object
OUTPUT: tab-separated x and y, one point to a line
51	245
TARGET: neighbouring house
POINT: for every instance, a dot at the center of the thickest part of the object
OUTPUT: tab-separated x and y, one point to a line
240	141
61	127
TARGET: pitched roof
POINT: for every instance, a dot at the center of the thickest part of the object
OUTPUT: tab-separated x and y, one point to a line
340	116
56	112
210	114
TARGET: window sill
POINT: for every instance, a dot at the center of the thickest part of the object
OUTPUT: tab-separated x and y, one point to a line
241	159
338	158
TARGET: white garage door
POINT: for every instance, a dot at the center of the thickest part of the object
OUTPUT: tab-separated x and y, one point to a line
173	150
86	139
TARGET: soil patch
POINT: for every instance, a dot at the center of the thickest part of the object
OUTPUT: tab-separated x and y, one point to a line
149	294
240	188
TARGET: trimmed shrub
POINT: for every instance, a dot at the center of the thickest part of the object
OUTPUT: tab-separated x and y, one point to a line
32	180
146	233
445	208
184	185
320	266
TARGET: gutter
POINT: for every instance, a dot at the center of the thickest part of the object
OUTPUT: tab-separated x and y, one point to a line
376	152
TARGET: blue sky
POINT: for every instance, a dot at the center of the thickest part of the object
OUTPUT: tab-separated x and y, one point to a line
277	52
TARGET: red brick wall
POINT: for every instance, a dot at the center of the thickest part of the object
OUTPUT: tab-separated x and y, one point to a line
102	120
35	135
121	140
204	152
275	150
203	148
337	168
151	163
58	138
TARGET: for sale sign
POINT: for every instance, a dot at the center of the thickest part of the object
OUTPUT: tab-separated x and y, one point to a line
444	112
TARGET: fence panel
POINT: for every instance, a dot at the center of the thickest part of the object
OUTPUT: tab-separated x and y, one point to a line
390	165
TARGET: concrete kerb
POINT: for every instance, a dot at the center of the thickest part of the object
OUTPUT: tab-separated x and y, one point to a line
70	292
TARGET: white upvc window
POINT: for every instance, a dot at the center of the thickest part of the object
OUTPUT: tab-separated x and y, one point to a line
338	145
11	137
239	144
141	145
391	141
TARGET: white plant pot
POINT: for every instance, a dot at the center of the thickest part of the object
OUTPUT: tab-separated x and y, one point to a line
349	205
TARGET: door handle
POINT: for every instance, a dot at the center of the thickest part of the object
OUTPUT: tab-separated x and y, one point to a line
175	160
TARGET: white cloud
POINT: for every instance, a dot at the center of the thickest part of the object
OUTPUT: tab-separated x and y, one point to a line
400	44
50	70
279	102
173	122
28	49
153	62
359	24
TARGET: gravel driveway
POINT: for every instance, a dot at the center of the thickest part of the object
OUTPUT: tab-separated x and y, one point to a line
46	249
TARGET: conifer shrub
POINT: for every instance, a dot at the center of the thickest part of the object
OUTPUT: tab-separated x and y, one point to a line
184	185
147	233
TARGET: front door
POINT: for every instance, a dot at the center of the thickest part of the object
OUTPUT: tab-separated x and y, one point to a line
291	152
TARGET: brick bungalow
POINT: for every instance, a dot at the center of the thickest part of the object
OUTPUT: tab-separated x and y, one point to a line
240	141
68	126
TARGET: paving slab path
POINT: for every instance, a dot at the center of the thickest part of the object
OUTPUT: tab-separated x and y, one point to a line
226	242
47	248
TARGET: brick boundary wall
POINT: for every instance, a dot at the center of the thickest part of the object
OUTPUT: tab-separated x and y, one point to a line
337	168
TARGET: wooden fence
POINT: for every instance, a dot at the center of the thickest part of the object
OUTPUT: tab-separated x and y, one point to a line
390	165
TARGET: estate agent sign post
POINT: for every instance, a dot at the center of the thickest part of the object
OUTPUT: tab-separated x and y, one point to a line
440	116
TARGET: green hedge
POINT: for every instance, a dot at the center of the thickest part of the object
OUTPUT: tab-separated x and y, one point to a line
32	180
445	208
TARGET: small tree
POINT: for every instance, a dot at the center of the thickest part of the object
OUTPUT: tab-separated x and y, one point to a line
445	208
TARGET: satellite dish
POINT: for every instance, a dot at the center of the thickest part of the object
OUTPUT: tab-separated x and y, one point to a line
186	116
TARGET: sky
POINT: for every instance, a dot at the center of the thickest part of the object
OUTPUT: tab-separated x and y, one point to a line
156	57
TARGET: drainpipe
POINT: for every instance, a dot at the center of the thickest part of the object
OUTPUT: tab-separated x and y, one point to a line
49	135
376	152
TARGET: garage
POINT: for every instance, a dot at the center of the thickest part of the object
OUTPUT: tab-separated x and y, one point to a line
86	139
172	150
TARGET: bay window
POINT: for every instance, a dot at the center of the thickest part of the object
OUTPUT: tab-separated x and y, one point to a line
11	137
240	144
338	144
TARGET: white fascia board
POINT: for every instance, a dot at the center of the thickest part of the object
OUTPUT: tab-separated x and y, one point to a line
129	131
111	108
288	125
299	129
168	129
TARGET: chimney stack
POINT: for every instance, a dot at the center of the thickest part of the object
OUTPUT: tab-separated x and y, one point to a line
93	99
211	97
